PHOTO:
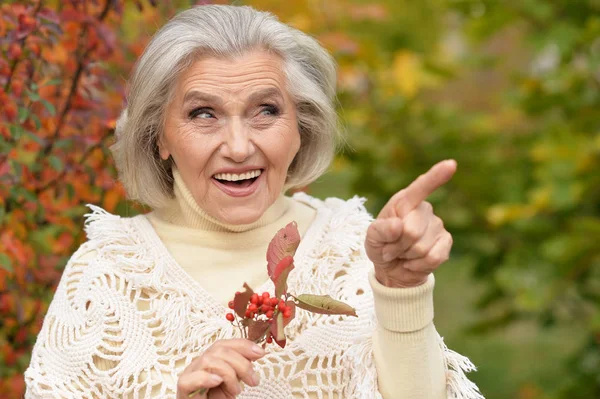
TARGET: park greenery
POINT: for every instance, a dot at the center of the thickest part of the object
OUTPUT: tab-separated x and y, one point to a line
511	90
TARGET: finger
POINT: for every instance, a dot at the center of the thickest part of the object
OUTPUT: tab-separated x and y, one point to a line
382	231
241	365
415	225
246	348
435	230
219	393
193	381
423	186
220	367
439	254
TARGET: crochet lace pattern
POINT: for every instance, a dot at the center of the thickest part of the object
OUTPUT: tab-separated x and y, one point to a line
126	319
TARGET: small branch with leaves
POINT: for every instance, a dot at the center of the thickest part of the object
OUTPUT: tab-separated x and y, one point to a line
263	318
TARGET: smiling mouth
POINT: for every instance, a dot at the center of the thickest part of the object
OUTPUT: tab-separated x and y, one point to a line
238	180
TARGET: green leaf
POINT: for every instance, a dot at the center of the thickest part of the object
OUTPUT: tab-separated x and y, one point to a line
34	137
48	105
53	82
6	263
36	121
56	163
64	144
42	238
23	114
323	304
16	131
33	96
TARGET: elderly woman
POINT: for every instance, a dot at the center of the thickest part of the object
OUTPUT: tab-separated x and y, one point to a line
228	108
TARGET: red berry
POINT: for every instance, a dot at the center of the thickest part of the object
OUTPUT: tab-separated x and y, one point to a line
254	298
230	304
269	339
269	314
265	295
287	313
229	316
283	308
281	303
248	314
260	301
265	308
252	307
274	301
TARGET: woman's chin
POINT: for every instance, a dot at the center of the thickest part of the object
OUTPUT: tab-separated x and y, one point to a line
240	216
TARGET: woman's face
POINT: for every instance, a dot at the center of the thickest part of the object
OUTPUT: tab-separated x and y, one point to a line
231	129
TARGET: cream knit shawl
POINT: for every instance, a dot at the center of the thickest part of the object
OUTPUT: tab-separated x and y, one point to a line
126	319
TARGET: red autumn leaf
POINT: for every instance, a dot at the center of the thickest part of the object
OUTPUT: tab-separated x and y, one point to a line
324	304
280	275
257	329
284	244
241	299
277	330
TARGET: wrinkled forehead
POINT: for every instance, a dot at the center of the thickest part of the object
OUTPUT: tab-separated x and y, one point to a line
240	77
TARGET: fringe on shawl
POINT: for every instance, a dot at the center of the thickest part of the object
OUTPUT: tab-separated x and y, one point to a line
345	236
361	362
458	386
114	235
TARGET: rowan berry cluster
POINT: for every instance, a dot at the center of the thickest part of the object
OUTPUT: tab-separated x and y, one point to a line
263	305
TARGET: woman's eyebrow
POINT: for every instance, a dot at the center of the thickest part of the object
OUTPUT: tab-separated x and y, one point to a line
270	92
201	96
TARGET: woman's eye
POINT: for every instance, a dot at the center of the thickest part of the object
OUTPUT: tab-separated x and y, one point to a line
202	113
269	110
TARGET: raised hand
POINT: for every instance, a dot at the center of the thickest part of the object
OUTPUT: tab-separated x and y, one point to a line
408	241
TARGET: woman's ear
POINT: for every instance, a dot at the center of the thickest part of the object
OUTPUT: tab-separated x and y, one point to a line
163	151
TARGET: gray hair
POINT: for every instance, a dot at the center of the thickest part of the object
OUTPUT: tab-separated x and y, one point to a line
222	31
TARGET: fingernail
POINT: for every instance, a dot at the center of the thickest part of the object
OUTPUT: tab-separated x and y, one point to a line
216	379
258	350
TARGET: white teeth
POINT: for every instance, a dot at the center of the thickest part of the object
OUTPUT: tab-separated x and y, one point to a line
236	177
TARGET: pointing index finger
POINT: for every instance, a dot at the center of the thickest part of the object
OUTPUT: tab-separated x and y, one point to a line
425	185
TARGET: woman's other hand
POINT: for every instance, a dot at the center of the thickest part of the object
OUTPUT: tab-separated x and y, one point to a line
220	369
408	241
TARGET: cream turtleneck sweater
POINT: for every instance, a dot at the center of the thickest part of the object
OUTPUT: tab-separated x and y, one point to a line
221	257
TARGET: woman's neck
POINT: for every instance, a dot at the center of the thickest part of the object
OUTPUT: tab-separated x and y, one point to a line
184	211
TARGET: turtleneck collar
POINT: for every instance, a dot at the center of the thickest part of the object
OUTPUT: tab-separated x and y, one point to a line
184	211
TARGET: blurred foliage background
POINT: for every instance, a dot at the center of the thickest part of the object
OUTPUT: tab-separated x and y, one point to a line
508	89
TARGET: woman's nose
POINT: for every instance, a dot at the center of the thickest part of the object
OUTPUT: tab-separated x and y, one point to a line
237	144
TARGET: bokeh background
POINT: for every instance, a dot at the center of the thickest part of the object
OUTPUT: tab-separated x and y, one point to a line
510	89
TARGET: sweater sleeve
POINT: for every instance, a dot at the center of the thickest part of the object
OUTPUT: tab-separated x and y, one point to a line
408	357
